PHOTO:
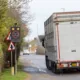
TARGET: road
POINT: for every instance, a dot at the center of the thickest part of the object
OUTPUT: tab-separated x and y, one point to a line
35	66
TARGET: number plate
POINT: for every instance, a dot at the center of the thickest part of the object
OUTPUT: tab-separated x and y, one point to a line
74	64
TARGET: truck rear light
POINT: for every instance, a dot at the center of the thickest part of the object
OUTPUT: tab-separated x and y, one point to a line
65	65
79	64
60	65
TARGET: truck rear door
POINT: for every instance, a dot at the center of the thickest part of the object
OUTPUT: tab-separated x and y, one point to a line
69	39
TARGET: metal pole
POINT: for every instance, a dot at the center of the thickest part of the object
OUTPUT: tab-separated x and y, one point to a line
11	60
12	64
15	59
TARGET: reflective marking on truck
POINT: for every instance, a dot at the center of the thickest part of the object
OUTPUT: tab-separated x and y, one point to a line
58	40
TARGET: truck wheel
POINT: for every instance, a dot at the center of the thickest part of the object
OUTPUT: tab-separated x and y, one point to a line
54	68
48	63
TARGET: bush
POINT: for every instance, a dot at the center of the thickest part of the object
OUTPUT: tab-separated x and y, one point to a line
1	58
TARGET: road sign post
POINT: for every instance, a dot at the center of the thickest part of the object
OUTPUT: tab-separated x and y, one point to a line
11	62
15	59
15	37
11	48
15	34
12	68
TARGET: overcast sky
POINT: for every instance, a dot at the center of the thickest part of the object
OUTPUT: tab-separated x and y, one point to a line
42	9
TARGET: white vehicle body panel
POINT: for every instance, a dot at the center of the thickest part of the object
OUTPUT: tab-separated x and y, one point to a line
69	38
62	37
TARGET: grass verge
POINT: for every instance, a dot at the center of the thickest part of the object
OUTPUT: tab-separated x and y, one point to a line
6	75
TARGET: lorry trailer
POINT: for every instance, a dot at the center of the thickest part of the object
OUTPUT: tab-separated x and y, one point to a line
62	41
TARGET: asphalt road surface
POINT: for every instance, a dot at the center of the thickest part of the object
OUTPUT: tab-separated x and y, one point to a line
35	66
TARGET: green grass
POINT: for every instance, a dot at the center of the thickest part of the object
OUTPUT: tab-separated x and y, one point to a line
6	75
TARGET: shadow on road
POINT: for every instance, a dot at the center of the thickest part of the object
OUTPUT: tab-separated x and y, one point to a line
35	64
35	70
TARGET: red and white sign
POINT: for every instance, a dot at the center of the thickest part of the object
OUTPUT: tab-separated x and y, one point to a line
11	47
9	37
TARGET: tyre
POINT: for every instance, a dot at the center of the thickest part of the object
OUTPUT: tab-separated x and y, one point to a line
48	63
54	68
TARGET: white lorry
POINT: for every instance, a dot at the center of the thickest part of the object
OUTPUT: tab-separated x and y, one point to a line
62	41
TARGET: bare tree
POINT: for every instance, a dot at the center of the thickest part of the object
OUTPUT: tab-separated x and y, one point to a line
20	10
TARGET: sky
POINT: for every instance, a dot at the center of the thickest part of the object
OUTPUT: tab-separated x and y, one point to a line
42	9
